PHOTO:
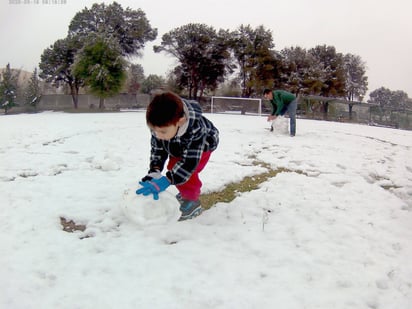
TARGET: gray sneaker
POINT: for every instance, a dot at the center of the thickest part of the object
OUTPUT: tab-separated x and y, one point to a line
190	209
179	198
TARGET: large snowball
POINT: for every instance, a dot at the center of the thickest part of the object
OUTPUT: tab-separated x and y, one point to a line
144	210
280	125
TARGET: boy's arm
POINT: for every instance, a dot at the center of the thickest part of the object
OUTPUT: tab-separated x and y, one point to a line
158	155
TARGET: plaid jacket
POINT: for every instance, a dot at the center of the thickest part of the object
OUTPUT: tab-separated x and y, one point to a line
199	135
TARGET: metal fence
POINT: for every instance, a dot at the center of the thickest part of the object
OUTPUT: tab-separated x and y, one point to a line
310	107
356	112
323	108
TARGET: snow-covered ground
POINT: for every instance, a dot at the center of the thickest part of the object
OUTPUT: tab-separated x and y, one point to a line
336	233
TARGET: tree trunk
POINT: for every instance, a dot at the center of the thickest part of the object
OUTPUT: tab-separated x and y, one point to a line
74	91
325	110
195	91
101	103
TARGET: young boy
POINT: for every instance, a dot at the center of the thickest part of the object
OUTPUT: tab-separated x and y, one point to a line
183	135
282	102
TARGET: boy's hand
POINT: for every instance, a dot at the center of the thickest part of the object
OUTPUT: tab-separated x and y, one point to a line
271	117
154	186
155	173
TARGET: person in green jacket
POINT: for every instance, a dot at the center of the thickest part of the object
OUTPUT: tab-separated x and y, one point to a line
282	101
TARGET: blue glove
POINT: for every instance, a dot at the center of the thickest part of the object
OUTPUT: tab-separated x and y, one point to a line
154	186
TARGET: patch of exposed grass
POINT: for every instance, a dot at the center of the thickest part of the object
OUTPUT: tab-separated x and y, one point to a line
247	184
378	178
70	226
390	187
227	195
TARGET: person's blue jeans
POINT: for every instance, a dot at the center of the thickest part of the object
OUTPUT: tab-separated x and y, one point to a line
291	110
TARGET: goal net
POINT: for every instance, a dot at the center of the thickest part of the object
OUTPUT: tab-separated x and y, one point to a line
236	105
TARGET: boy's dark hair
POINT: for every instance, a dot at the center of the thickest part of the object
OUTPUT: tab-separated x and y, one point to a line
164	110
266	91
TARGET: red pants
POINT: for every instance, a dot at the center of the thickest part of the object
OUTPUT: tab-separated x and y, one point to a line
190	190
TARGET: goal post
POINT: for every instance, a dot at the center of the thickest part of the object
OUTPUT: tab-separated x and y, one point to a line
234	105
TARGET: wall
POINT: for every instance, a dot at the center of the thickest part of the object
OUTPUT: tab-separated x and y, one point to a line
86	101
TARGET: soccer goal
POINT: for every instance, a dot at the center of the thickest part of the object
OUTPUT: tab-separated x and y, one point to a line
235	105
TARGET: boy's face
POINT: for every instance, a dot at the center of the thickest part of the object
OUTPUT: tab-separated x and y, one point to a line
168	132
165	133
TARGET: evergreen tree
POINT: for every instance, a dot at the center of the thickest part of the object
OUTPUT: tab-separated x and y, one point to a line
203	55
130	28
252	49
400	100
56	62
33	91
387	98
151	83
135	77
381	96
356	83
300	71
331	69
8	88
102	68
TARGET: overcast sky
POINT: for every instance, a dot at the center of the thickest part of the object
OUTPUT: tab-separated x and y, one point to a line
379	31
